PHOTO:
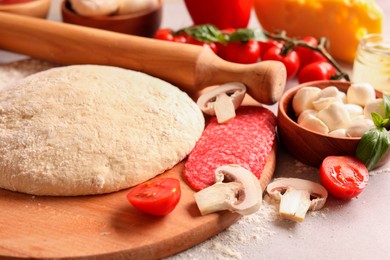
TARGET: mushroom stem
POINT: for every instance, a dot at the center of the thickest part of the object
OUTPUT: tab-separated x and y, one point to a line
294	204
236	189
223	101
297	196
217	197
224	108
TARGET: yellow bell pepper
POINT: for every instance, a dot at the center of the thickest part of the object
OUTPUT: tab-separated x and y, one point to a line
343	22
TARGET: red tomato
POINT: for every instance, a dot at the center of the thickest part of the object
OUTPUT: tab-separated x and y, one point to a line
212	45
290	61
11	2
320	70
240	52
265	46
156	197
344	177
306	55
180	38
164	34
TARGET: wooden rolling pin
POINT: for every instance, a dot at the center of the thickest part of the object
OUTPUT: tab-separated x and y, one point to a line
190	67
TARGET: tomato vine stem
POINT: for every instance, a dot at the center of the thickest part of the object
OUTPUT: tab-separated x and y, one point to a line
321	48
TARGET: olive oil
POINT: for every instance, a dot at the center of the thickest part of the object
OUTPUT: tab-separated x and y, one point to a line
372	62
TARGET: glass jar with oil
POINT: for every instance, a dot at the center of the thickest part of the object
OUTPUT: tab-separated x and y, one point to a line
372	62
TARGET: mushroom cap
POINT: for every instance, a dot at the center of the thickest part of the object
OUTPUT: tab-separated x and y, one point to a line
250	196
235	90
316	190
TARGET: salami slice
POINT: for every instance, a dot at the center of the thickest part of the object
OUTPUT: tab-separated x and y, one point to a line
246	140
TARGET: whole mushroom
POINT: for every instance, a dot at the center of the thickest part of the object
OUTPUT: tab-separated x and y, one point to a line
236	189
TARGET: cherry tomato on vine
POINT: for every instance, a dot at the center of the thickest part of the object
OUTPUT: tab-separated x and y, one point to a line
180	38
265	46
306	55
156	197
344	177
240	52
290	60
164	34
320	70
192	40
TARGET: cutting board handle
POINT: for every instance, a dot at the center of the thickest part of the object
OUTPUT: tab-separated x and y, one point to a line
190	67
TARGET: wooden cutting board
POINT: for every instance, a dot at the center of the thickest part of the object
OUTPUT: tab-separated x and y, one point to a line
106	226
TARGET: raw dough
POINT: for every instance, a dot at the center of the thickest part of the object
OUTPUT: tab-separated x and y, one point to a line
89	129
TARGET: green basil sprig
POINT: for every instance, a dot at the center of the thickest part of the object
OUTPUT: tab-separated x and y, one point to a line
375	143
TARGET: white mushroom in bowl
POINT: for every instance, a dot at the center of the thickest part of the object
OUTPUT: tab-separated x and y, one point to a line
222	101
236	189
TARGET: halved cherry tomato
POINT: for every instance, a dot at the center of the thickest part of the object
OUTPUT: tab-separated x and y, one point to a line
156	197
344	177
290	60
320	70
240	52
164	34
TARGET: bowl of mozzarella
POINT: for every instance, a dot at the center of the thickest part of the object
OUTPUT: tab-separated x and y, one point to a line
135	17
323	118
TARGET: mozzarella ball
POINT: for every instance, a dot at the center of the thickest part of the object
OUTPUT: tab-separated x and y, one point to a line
330	91
358	127
360	94
135	6
306	113
377	106
94	7
312	123
341	132
324	102
354	111
303	99
335	116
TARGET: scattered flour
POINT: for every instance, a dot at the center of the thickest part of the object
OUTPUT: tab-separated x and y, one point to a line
255	227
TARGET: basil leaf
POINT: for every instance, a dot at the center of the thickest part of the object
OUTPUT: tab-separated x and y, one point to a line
386	100
378	120
206	33
244	35
373	145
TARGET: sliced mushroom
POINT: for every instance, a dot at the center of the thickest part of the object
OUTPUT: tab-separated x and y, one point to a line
236	189
223	101
297	196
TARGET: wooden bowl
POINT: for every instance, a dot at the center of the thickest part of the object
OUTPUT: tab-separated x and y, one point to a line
308	146
35	8
140	24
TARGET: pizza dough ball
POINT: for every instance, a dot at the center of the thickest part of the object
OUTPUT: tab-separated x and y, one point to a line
89	129
95	7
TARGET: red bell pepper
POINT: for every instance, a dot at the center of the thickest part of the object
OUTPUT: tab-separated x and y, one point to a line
220	13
